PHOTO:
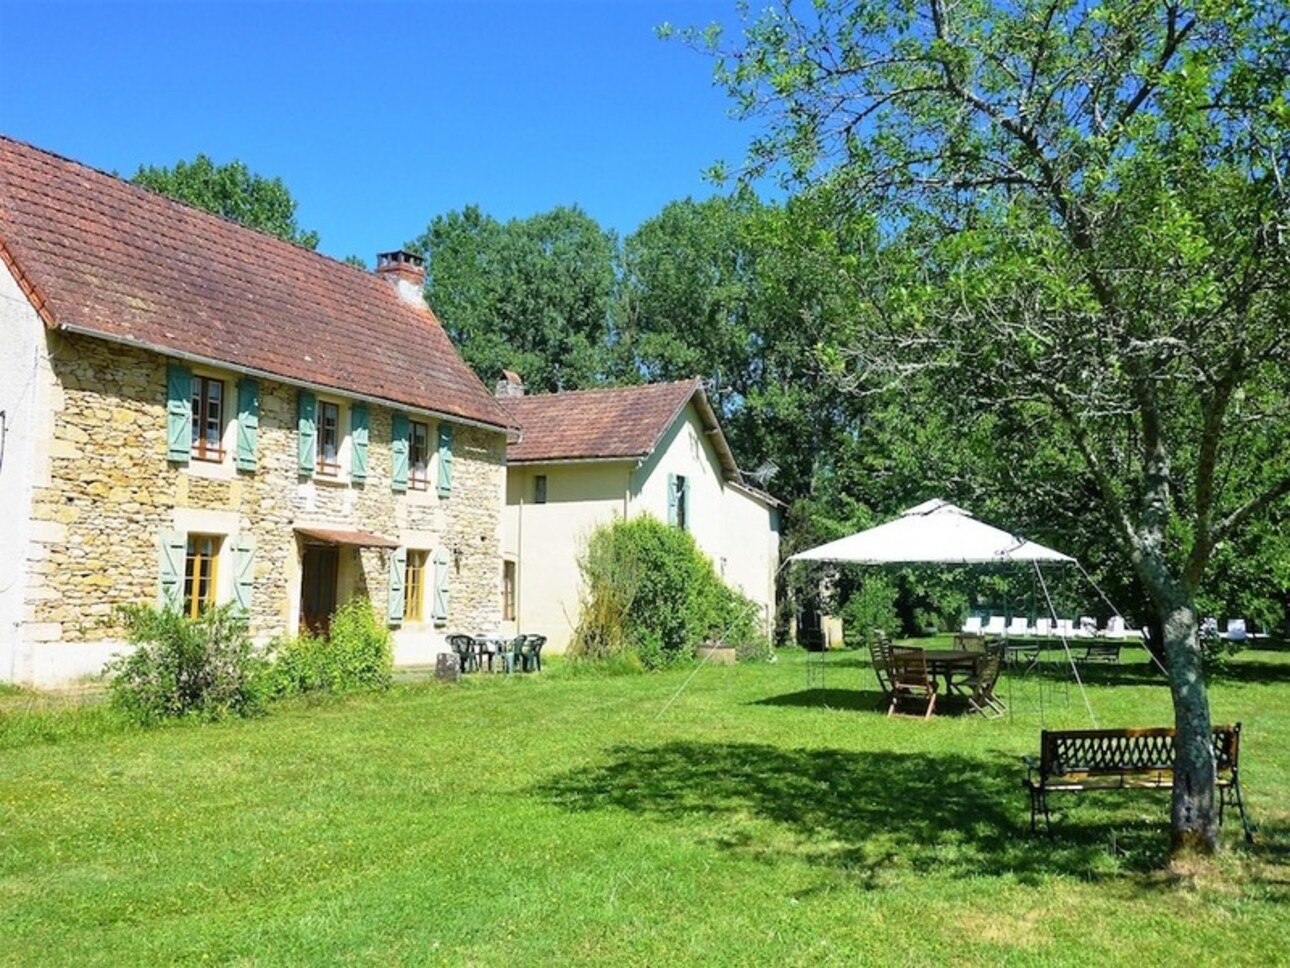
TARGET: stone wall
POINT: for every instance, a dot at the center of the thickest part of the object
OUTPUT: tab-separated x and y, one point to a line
109	493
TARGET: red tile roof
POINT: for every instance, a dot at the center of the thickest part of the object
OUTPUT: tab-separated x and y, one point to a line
619	423
98	255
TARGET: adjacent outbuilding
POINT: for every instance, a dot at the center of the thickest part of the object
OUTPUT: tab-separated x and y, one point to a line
587	457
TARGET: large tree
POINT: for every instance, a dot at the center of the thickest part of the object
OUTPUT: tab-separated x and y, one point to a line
1085	214
233	191
531	295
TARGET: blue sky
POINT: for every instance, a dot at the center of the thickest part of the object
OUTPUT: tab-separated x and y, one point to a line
379	116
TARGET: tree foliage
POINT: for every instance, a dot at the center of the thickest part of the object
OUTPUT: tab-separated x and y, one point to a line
1083	211
652	593
530	295
232	191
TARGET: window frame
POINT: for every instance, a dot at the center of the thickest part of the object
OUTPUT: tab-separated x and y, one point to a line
322	466
418	481
540	489
194	603
414	585
200	448
509	575
682	504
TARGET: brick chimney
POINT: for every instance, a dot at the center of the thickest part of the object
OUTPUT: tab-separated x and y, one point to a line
406	272
510	385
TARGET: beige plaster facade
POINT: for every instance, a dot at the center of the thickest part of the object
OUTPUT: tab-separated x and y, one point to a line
88	492
737	529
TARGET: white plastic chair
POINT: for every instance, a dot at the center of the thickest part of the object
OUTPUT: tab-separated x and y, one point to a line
1087	626
1236	630
972	626
1065	628
1043	628
996	626
1017	628
1115	627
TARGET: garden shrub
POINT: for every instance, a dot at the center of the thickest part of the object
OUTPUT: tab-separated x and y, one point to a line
648	589
871	606
356	655
205	666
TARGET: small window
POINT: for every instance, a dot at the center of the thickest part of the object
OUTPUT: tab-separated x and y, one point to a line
329	437
539	489
508	591
682	504
200	573
419	455
414	585
208	419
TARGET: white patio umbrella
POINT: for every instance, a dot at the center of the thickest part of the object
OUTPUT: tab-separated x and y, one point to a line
937	532
934	532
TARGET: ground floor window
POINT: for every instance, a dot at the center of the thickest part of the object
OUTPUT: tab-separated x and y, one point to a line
414	585
201	569
508	591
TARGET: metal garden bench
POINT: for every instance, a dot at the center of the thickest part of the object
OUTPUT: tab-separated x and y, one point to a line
1076	760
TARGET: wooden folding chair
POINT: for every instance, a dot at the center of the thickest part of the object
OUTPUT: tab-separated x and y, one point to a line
910	679
880	656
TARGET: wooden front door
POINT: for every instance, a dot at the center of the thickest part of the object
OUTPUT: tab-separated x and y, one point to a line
318	587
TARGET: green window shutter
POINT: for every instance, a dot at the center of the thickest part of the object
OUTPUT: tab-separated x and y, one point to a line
445	459
399	452
248	422
308	436
441	586
684	499
174	550
358	436
398	575
243	572
671	499
179	412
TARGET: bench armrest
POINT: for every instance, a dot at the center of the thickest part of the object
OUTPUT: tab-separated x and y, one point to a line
1033	767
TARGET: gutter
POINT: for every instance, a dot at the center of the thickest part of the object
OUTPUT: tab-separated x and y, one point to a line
512	433
539	462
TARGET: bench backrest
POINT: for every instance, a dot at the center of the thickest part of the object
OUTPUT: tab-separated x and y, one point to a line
1109	752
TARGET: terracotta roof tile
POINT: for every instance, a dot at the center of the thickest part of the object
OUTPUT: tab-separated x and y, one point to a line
100	255
622	422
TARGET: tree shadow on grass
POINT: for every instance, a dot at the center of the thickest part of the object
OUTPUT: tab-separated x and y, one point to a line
828	698
870	814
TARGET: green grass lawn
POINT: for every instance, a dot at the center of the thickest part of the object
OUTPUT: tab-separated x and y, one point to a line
561	819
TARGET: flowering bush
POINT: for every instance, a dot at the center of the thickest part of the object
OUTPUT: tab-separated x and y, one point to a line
204	666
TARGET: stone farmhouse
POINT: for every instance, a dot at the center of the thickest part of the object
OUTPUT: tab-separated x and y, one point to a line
192	412
588	456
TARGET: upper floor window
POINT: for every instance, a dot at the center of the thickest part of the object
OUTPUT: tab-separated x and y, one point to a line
329	437
419	455
678	501
539	489
208	418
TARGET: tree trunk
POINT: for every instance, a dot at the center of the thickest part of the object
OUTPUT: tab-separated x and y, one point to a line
1194	815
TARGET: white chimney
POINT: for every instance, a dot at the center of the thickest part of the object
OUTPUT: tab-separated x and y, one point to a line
510	385
406	273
